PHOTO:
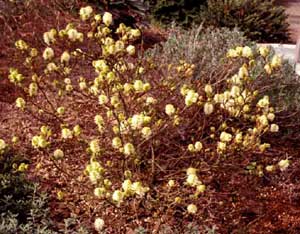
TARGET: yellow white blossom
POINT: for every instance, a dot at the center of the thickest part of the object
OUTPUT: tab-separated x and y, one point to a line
208	108
171	183
99	224
76	130
235	91
103	99
48	53
14	140
126	186
232	53
263	120
150	100
98	120
274	128
283	164
21	45
268	69
191	171
65	57
264	51
146	132
116	142
221	146
49	37
193	180
2	145
118	196
225	137
137	121
247	52
135	32
60	110
32	89
198	146
191	97
138	85
99	192
243	72
107	18
201	188
271	116
94	146
208	89
66	133
58	154
130	50
264	102
170	109
39	142
85	12
20	103
276	61
238	137
129	149
192	209
270	168
139	189
191	148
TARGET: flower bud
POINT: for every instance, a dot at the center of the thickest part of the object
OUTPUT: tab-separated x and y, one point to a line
192	209
107	18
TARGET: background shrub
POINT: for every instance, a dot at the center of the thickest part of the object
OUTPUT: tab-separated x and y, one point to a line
207	49
183	12
261	21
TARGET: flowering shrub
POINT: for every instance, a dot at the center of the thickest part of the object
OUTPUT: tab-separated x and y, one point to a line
138	132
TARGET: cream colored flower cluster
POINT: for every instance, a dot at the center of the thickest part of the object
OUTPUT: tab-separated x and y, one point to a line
129	189
42	140
14	76
3	146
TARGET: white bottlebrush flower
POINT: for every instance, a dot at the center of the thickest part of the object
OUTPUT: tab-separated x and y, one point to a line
48	53
2	145
66	133
129	149
283	164
247	52
274	128
169	109
130	50
107	18
20	103
225	137
99	224
208	108
65	57
58	154
192	209
85	12
94	146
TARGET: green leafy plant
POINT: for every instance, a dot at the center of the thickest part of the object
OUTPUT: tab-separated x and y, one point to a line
183	12
261	21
